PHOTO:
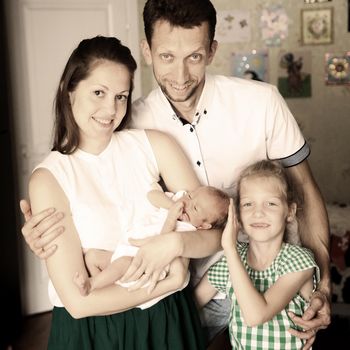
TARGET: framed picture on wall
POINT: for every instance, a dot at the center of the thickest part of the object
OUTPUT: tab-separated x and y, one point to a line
317	26
348	15
315	1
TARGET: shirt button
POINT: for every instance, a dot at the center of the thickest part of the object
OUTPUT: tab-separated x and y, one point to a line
191	129
198	163
205	111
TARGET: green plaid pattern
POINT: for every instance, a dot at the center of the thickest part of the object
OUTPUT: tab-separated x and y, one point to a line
271	335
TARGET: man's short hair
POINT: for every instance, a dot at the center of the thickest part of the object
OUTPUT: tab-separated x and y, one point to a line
179	13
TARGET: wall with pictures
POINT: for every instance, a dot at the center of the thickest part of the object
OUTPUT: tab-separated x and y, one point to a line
286	43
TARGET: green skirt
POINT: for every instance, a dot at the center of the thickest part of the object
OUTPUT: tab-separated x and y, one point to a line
171	324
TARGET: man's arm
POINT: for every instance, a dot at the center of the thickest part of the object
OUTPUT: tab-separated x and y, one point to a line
314	234
313	221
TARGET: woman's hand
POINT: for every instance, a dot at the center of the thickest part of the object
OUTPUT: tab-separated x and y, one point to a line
154	255
37	230
230	233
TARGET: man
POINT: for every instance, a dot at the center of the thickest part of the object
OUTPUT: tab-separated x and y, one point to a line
223	124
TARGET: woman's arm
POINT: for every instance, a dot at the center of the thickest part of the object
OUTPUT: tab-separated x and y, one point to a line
159	199
41	229
68	259
178	174
174	167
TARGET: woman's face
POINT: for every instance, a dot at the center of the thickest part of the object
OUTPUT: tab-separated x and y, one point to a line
99	104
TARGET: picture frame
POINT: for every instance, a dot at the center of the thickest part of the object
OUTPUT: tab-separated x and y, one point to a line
348	15
317	26
315	1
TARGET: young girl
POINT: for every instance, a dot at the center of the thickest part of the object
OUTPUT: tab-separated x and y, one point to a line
265	278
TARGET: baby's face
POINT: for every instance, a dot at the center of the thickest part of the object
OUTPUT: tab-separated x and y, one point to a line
199	208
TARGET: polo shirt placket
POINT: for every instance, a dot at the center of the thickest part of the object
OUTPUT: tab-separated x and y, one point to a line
193	142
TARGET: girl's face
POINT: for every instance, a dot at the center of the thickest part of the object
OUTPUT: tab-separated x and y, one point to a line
99	104
263	208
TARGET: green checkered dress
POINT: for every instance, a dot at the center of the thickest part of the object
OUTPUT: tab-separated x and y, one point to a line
271	335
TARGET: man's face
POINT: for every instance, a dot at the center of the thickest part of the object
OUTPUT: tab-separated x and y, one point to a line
179	57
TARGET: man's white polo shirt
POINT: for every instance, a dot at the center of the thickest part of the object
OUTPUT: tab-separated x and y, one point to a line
237	123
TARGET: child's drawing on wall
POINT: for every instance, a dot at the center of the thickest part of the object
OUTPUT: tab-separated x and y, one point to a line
250	65
294	78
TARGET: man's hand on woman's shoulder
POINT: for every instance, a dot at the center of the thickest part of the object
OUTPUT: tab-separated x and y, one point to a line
37	230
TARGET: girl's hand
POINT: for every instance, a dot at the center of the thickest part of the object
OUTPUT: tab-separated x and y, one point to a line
230	233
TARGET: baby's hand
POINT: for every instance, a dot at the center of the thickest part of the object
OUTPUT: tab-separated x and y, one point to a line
230	233
174	214
176	211
83	283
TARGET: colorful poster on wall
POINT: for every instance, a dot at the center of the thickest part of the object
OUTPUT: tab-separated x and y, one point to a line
274	23
233	26
294	74
337	69
253	65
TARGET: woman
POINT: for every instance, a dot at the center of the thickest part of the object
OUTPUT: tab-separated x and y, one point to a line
96	176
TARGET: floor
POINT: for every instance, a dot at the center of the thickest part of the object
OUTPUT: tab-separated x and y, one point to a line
34	334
